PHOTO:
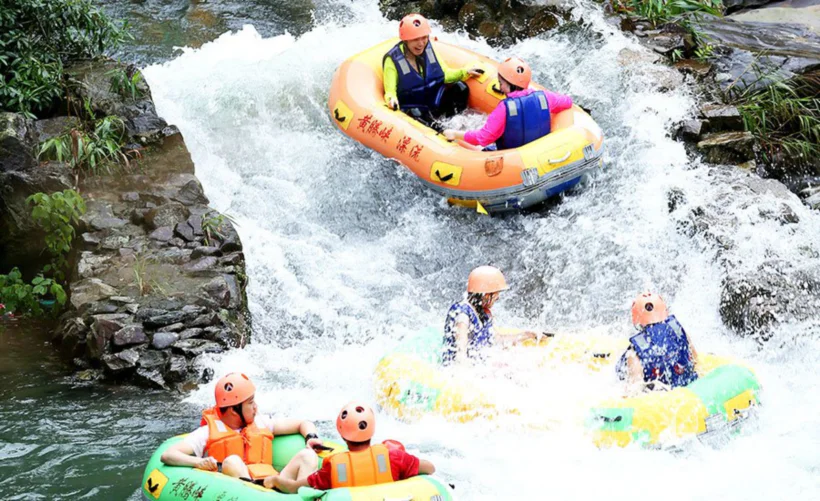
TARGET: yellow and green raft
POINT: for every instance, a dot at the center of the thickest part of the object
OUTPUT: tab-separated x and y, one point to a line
175	483
409	383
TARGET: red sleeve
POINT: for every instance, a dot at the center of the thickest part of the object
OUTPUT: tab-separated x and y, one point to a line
403	465
321	478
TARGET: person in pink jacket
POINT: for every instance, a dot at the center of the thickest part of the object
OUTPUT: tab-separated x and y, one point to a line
522	117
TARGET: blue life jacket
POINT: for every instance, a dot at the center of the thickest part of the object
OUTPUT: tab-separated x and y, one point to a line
418	90
664	352
528	119
480	334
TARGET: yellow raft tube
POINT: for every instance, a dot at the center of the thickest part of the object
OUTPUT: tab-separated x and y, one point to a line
495	181
409	383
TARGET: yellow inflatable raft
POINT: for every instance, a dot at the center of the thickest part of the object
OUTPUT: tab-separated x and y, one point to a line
494	181
409	383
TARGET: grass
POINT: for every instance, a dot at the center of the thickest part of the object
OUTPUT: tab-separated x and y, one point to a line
664	11
785	119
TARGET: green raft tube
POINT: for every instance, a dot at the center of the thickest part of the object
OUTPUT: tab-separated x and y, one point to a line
176	483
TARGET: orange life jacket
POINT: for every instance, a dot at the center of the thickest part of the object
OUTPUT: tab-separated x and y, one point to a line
358	469
253	444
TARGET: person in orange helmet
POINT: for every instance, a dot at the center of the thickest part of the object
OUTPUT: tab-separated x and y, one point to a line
417	81
661	355
362	464
468	328
522	117
237	441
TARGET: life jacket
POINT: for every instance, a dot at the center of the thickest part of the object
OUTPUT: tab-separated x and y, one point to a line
528	118
253	444
664	352
480	334
362	468
418	89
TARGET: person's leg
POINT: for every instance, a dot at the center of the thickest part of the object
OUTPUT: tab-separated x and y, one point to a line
233	466
301	465
454	100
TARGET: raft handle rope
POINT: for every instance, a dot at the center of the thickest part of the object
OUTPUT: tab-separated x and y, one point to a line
562	159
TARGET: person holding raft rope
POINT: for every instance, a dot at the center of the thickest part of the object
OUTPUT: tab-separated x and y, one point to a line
417	81
237	441
522	117
468	328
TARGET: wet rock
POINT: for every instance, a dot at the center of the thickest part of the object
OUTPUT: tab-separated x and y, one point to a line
148	312
735	5
813	201
489	30
753	55
98	308
177	368
174	327
115	242
151	378
122	299
190	333
138	216
166	215
18	139
100	216
50	128
722	117
130	335
202	264
90	264
88	375
72	344
675	198
90	290
194	347
219	335
218	290
690	130
629	57
185	231
162	340
693	67
162	234
174	255
167	319
204	251
542	22
195	222
153	359
666	43
91	240
205	320
130	196
119	362
727	147
191	193
472	14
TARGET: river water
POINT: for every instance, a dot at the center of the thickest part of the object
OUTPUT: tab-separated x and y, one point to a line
347	253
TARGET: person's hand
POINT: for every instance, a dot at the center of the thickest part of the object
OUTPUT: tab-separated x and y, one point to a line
207	464
312	443
393	103
538	336
475	72
270	482
450	134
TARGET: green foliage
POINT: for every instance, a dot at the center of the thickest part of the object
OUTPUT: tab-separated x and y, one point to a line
94	152
125	85
785	117
37	37
664	11
704	51
212	224
57	214
19	297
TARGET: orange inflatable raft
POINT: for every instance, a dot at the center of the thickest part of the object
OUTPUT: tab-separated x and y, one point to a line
494	181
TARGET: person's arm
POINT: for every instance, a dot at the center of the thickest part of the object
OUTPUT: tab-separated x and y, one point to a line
558	102
292	426
492	130
634	374
426	467
460	75
511	338
182	454
391	83
462	340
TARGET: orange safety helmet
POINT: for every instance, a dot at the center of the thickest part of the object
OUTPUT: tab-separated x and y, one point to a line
647	309
233	389
516	71
356	422
486	279
413	26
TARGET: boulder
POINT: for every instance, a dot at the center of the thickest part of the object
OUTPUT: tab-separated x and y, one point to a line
722	117
177	368
727	147
169	214
151	378
194	347
162	340
119	362
53	127
129	335
89	290
18	142
162	234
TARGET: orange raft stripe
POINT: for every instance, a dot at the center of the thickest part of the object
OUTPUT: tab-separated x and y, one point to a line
357	107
